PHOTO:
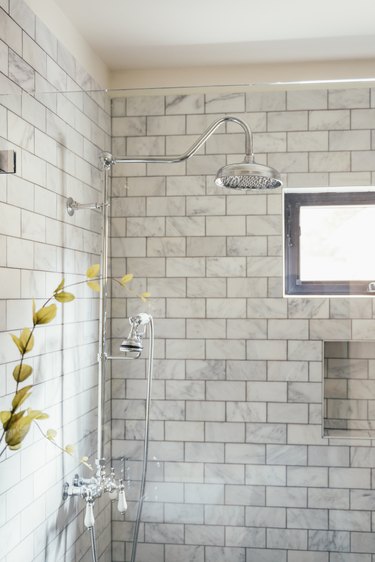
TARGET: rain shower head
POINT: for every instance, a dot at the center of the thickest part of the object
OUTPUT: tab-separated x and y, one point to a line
248	175
133	345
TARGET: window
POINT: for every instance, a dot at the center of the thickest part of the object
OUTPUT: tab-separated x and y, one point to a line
329	242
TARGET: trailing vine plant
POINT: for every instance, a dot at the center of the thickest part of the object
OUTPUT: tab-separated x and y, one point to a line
16	422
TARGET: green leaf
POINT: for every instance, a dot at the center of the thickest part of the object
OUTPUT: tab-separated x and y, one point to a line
5	416
25	342
64	297
21	372
20	396
17	341
85	463
94	285
51	434
37	414
93	271
126	279
144	296
45	314
69	449
15	418
17	432
59	287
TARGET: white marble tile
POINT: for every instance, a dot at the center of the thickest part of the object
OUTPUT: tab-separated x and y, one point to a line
21	72
224	103
145	105
349	98
307	99
349	140
181	104
287	121
287	538
266	101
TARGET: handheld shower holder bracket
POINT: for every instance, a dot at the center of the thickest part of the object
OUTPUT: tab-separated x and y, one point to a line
72	206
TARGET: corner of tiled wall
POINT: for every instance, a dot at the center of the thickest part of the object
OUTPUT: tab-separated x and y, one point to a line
58	138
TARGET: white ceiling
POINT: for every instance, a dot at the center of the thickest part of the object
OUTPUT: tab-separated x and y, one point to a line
132	34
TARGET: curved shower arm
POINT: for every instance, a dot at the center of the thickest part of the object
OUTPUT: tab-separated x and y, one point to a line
195	147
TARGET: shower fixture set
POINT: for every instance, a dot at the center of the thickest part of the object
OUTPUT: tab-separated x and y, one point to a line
247	175
93	488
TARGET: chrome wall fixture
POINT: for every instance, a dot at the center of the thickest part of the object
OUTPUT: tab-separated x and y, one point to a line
72	206
93	488
246	175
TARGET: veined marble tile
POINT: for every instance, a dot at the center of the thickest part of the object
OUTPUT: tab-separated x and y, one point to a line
21	72
329	540
184	104
224	103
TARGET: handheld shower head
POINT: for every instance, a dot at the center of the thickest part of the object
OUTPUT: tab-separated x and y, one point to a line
133	345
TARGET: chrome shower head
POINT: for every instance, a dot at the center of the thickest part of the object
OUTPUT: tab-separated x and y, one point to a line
248	175
133	344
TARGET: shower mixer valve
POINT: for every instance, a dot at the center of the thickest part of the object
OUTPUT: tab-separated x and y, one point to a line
92	488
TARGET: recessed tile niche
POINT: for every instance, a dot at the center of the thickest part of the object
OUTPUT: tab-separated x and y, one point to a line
349	389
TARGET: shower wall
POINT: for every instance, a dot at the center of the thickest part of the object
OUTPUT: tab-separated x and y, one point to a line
58	139
238	468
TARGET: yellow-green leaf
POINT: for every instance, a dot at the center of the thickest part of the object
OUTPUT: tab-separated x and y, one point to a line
69	449
62	296
45	314
94	285
15	418
59	287
144	296
5	417
17	432
20	396
85	463
25	342
126	279
17	341
15	447
21	372
37	414
51	434
93	271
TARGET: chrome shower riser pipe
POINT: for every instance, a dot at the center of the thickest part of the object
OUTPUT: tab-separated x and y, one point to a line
102	352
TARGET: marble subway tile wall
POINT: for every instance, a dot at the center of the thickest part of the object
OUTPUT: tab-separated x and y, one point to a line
58	139
238	468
